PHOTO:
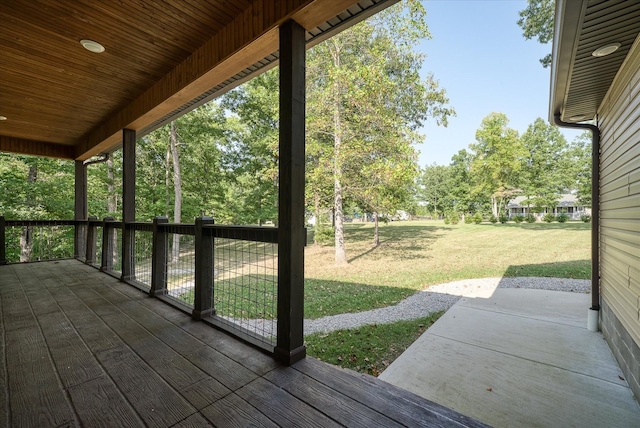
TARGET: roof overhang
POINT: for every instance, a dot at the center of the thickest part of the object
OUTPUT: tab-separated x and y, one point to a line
162	59
579	80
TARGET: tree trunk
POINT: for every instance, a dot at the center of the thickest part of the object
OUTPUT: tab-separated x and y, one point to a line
26	238
316	213
494	206
167	181
376	235
26	244
177	186
112	204
341	255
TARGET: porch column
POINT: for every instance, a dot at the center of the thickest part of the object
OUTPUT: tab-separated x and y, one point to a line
291	233
128	201
80	211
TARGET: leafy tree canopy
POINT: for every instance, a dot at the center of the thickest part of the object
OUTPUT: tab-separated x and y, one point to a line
536	21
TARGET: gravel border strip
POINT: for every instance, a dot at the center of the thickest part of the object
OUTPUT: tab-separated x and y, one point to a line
439	298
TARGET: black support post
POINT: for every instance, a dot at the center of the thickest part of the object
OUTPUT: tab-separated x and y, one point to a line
80	211
160	255
203	299
3	255
291	233
128	202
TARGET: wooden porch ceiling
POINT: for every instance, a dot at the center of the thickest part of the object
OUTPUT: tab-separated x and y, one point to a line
160	60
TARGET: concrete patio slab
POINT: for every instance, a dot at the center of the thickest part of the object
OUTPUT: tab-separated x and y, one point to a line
519	358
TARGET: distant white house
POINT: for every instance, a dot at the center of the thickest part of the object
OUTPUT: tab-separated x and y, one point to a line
567	203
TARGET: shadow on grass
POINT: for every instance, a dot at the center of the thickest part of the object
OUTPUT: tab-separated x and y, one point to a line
325	297
576	269
404	241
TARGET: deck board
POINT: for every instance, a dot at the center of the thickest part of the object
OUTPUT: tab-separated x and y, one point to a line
155	401
99	402
80	348
74	362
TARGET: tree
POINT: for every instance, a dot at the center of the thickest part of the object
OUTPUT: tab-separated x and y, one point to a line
253	149
580	167
536	21
177	188
546	172
435	188
365	101
497	161
460	197
34	188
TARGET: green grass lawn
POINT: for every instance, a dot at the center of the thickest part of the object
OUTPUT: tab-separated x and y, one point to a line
370	348
414	255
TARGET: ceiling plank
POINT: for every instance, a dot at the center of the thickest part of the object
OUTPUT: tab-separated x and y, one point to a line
36	148
228	52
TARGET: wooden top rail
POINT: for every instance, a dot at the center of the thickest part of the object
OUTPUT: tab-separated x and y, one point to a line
244	233
179	228
139	225
17	223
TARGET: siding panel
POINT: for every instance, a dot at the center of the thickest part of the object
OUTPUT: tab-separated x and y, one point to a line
619	121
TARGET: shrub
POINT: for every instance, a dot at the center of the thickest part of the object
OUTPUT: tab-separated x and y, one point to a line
468	219
549	217
562	217
324	235
493	219
477	218
503	218
518	218
452	217
530	218
585	218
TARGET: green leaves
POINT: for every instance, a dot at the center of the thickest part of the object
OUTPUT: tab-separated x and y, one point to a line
536	21
497	160
365	101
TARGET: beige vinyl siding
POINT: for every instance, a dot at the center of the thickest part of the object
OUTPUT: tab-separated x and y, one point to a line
619	122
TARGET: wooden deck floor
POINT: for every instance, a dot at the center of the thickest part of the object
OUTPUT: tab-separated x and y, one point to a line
80	348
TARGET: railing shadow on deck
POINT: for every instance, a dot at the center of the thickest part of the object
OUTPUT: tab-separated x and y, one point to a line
226	276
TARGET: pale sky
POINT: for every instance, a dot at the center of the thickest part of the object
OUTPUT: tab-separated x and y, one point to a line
478	54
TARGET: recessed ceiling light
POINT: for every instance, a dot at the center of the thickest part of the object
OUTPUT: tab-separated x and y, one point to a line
92	46
577	117
606	50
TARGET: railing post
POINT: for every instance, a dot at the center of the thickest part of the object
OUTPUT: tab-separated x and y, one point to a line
108	233
128	251
3	255
203	293
90	257
159	256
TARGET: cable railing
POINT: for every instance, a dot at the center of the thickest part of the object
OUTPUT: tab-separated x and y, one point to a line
180	263
224	275
245	278
36	240
142	254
